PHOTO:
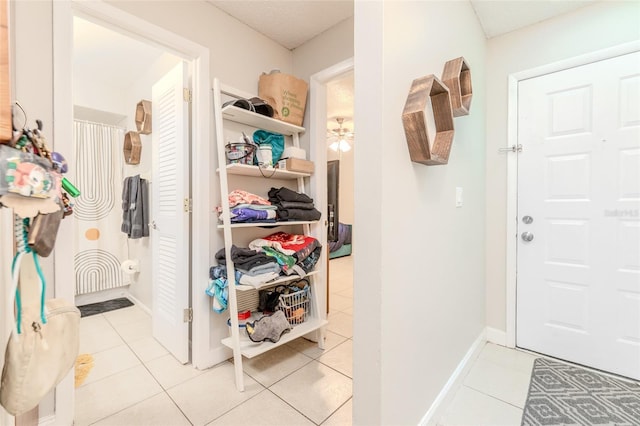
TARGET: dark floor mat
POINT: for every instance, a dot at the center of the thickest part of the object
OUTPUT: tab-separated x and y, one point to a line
106	306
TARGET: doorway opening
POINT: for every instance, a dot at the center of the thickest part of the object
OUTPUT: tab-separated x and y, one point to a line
164	52
112	73
340	153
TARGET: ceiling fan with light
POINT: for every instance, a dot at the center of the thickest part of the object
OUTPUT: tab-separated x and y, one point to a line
341	138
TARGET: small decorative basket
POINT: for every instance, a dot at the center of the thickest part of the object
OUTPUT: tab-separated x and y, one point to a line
295	306
240	153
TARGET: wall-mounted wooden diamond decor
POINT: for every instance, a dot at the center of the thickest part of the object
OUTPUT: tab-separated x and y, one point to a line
143	117
132	148
428	121
457	77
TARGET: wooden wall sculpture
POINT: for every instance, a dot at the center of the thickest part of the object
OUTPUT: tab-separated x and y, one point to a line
143	117
132	148
457	76
428	121
429	110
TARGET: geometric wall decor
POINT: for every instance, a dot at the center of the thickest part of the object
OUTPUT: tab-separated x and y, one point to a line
428	121
457	77
143	117
132	148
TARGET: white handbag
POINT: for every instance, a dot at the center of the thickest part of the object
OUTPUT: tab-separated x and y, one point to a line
44	344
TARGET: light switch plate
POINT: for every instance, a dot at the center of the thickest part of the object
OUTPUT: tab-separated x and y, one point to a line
459	200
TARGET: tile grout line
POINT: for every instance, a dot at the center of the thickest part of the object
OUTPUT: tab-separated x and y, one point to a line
337	409
294	408
208	422
163	390
278	381
491	396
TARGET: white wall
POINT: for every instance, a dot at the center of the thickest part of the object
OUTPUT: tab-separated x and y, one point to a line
592	28
321	52
428	277
238	53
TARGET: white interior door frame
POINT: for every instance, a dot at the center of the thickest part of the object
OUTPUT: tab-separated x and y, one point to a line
512	164
199	56
317	138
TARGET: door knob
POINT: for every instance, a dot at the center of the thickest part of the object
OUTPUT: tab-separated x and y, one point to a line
527	236
153	224
527	220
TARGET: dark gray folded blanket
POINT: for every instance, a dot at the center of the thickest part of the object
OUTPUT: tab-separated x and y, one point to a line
295	205
298	214
244	258
286	194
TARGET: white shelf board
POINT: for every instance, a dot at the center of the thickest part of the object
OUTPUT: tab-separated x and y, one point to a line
283	279
255	171
251	349
244	116
269	224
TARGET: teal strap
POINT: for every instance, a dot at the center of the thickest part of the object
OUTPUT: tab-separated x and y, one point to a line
23	248
14	279
43	287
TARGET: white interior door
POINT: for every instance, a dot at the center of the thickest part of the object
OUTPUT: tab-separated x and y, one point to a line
578	285
170	226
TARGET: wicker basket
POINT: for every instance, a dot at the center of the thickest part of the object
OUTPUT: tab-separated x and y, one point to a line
295	306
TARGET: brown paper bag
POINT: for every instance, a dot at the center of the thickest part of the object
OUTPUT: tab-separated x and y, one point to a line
286	94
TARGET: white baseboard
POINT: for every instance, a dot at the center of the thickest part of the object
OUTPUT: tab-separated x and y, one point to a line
139	304
450	388
499	337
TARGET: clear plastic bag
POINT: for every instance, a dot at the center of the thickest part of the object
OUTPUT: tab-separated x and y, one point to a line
26	174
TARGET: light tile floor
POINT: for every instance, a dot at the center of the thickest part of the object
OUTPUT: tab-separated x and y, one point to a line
494	390
136	382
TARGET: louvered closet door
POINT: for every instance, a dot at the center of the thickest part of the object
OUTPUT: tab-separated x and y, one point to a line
579	181
170	226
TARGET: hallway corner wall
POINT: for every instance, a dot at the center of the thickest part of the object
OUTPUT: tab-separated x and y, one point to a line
429	284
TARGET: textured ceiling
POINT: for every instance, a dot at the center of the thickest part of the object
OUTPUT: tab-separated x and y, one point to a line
290	23
294	22
500	17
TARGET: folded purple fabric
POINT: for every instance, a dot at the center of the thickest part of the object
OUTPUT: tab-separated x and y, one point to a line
251	215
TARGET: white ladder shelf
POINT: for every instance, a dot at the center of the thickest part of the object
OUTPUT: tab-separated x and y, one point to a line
315	321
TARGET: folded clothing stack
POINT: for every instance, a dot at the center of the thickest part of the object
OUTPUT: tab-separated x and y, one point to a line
254	267
293	205
247	207
295	253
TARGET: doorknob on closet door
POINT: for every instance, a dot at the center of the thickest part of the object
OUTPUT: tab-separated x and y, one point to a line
153	224
527	220
527	236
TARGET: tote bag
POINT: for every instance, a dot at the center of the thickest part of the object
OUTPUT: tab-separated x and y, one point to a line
43	345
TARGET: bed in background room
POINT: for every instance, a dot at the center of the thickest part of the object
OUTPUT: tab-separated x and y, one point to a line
341	247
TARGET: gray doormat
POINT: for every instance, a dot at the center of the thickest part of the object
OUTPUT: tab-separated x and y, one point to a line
106	306
561	394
